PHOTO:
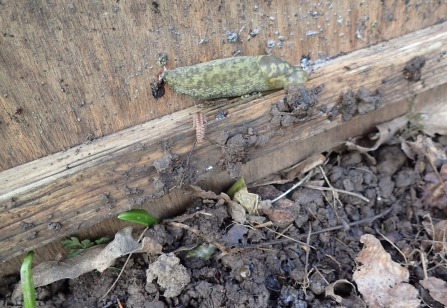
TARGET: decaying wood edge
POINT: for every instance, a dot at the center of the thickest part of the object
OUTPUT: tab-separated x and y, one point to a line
58	195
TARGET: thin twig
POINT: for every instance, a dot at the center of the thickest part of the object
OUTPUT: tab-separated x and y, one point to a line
424	265
355	223
338	191
316	269
306	178
119	304
334	194
335	260
405	258
290	238
283	231
286	239
124	266
306	279
265	224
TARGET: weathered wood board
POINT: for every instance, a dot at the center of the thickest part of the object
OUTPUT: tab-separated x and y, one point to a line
97	180
75	71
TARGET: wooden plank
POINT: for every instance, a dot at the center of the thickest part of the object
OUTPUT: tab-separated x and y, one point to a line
84	185
76	71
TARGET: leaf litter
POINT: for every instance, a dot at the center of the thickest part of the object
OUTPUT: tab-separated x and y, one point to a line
360	226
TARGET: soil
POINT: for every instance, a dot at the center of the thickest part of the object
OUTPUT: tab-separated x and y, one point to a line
262	269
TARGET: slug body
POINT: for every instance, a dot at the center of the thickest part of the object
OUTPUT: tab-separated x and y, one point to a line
233	77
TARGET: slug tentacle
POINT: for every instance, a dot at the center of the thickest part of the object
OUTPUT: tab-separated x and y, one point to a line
233	77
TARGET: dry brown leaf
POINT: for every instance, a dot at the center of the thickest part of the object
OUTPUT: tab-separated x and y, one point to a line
386	131
381	281
437	288
305	166
440	230
433	194
435	118
438	234
424	146
97	257
236	211
248	200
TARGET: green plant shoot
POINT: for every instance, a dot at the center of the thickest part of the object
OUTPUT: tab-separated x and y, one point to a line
236	186
139	216
76	247
26	277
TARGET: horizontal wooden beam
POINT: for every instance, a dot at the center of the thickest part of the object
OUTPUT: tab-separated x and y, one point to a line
68	191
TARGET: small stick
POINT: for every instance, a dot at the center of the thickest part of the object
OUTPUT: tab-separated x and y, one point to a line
124	266
291	238
338	190
306	278
334	194
405	258
265	224
119	304
306	178
283	231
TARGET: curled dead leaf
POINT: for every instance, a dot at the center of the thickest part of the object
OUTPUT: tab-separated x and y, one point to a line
385	132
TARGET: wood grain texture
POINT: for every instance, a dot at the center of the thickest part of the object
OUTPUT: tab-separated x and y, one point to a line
97	180
81	70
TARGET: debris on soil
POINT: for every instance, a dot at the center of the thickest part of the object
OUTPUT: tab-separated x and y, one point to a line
171	276
306	249
412	70
298	105
98	257
382	282
362	103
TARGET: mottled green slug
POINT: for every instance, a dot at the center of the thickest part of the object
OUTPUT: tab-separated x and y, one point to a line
233	77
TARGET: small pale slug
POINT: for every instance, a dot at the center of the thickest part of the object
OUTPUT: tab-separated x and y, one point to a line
232	77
